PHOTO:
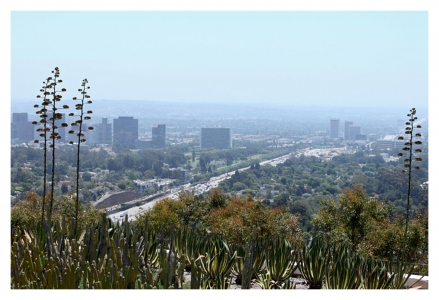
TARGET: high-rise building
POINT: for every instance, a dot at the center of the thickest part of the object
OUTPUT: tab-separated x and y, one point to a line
334	128
19	117
389	142
125	131
62	131
158	136
101	134
346	130
217	138
104	132
21	128
353	131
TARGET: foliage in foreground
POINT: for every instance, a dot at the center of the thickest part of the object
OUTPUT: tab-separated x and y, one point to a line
231	217
26	213
366	226
111	255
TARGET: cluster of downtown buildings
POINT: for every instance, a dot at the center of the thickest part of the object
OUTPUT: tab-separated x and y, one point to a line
123	131
353	133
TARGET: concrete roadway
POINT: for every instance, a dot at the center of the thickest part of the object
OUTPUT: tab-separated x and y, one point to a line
196	188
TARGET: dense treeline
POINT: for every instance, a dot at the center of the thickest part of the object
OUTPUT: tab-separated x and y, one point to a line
26	166
125	166
355	220
231	217
300	183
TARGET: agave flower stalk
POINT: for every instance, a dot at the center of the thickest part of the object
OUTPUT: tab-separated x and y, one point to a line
83	115
49	125
56	97
409	148
43	115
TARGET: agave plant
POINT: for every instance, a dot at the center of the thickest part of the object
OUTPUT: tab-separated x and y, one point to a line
402	273
216	265
180	245
238	266
244	264
167	264
189	246
375	274
313	262
280	261
264	280
258	259
342	272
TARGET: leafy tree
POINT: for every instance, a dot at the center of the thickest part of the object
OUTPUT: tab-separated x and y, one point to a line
122	185
281	200
239	186
86	176
327	223
64	188
236	221
163	213
192	210
217	199
114	165
358	210
301	208
25	214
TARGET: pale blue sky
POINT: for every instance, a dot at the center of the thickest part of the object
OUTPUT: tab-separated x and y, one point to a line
374	57
349	57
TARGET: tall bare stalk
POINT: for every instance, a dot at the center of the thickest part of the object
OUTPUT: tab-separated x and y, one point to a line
80	136
50	97
411	140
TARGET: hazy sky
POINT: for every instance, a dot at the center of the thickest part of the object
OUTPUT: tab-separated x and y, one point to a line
375	57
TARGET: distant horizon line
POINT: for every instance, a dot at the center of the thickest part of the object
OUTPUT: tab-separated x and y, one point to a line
231	102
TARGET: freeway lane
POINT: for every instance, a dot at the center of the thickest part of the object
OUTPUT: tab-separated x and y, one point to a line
196	188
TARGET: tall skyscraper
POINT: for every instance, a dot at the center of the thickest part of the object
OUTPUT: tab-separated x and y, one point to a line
125	131
334	128
217	138
158	136
19	117
21	128
104	132
353	131
346	129
62	131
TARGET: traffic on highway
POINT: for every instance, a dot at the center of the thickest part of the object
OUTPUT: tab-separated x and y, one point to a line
196	189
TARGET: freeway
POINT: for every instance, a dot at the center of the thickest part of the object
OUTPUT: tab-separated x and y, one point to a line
195	188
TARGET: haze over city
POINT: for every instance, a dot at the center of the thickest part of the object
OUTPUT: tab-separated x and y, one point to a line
192	111
365	58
